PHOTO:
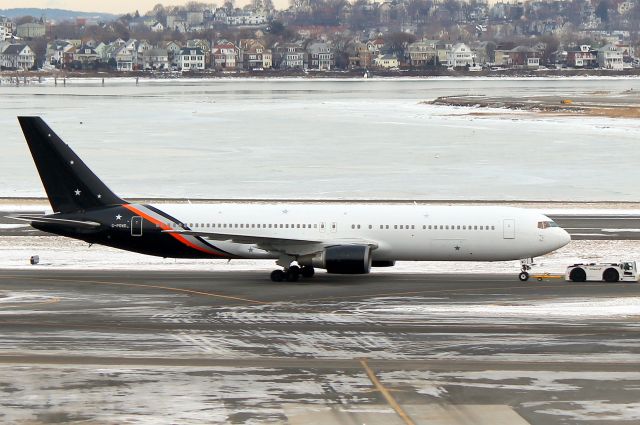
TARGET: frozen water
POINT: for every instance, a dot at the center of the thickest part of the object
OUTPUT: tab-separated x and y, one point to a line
327	139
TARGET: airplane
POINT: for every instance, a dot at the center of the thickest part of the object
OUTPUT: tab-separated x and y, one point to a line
342	238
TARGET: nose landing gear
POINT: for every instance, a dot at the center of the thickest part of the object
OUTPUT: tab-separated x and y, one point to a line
526	265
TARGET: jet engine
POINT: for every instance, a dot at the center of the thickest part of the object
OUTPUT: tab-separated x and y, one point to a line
345	259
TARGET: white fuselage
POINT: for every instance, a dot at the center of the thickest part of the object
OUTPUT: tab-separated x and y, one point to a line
399	232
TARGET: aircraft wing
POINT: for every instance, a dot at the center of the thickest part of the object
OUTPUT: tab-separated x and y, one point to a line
283	245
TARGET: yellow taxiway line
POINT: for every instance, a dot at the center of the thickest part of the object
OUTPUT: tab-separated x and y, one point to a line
142	285
385	392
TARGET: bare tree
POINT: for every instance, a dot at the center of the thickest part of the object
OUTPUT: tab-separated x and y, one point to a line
194	6
159	13
397	42
25	20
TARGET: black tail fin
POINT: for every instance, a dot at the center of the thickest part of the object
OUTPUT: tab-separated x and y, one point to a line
71	186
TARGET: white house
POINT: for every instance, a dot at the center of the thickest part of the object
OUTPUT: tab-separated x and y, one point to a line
386	61
18	56
191	59
124	58
460	55
155	59
609	57
321	56
6	28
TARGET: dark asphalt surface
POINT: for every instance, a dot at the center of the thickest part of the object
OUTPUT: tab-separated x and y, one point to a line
456	333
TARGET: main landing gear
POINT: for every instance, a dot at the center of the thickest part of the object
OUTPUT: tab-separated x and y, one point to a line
292	273
526	265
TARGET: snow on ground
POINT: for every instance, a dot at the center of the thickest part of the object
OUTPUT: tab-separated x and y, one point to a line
170	395
63	253
572	307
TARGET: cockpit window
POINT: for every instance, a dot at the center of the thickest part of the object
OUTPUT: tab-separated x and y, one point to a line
546	224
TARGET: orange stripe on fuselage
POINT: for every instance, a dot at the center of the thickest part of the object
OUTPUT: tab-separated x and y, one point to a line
164	226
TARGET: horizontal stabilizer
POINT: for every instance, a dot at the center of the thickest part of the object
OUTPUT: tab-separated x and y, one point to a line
57	221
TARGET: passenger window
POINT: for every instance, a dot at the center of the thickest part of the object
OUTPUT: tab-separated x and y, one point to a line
387	226
370	227
401	226
297	226
447	227
395	226
353	226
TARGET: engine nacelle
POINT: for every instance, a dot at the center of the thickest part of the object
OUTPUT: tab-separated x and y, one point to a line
345	259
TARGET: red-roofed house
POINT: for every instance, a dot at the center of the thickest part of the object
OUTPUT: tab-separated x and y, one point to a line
225	55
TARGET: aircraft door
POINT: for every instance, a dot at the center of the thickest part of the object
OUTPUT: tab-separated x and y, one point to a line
509	228
136	225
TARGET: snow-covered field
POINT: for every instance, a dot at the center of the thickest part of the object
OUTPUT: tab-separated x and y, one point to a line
62	253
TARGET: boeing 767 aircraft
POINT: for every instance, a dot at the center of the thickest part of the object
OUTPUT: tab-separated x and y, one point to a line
340	238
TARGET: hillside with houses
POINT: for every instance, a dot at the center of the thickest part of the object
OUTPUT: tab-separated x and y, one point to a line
333	35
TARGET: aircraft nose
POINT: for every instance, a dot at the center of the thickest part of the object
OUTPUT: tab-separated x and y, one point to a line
563	238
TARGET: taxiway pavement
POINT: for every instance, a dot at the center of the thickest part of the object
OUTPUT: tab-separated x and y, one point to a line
202	347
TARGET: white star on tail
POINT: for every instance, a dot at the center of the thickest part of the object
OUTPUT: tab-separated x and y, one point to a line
118	217
78	192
